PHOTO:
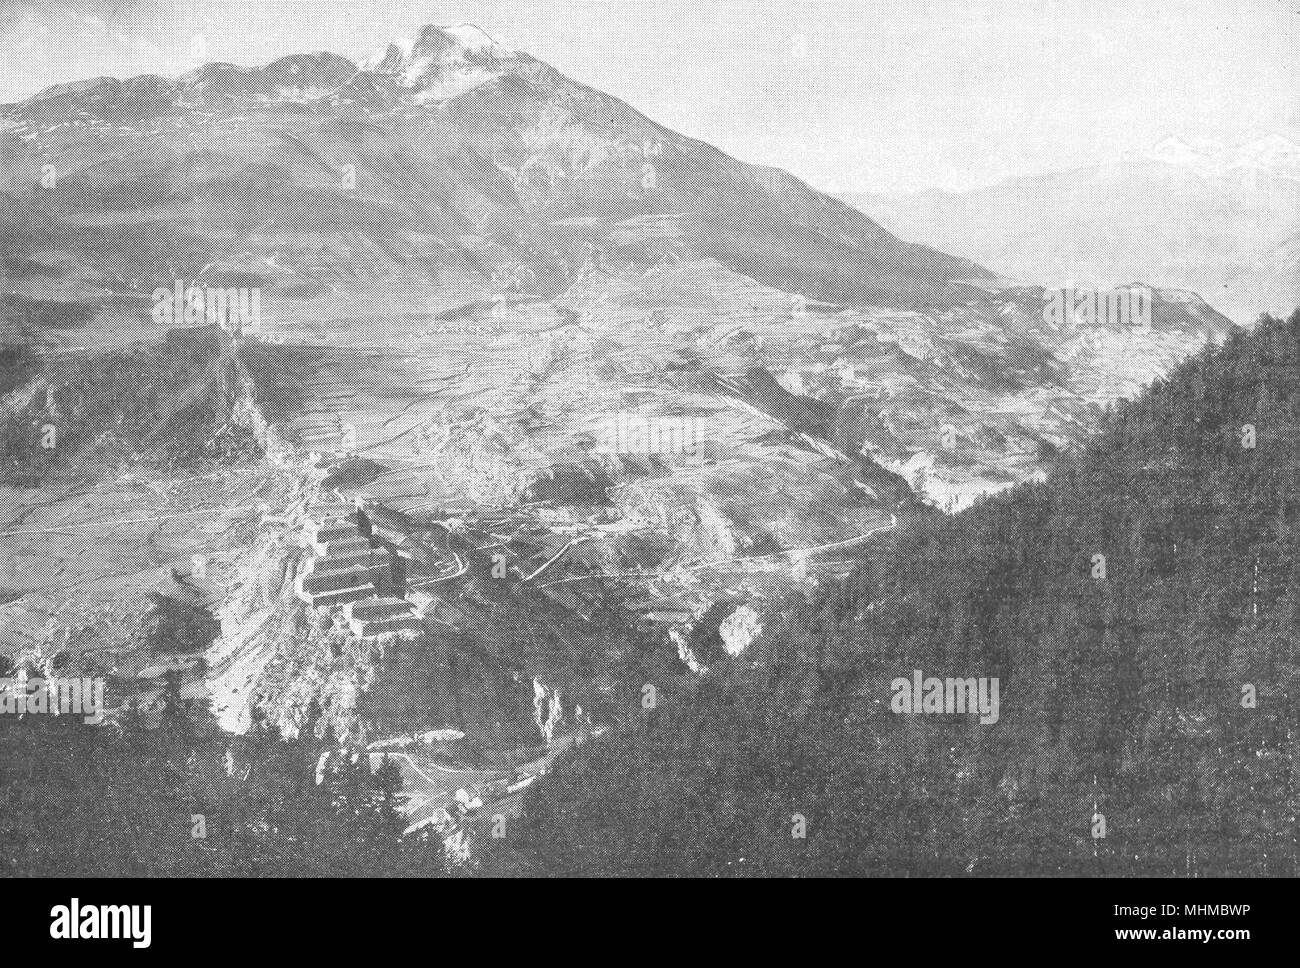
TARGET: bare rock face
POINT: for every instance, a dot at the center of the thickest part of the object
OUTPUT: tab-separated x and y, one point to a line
739	630
548	711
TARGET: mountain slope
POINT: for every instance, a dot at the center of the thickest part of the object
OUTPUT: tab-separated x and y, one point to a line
1159	690
466	156
449	176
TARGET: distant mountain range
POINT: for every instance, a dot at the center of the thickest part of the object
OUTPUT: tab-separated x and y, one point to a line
1221	221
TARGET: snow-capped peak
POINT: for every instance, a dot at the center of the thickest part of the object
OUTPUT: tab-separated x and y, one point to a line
463	41
442	62
1175	151
1273	154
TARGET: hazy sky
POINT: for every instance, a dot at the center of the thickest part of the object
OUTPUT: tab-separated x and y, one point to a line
851	95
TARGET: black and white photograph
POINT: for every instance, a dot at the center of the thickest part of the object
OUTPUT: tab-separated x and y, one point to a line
649	439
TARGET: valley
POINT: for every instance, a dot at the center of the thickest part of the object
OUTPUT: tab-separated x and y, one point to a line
395	513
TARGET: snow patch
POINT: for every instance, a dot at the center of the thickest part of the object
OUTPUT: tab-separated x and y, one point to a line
1273	154
476	39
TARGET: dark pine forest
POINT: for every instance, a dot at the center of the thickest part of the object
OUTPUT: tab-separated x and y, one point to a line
1164	696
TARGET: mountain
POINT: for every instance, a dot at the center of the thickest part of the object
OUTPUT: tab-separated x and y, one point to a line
543	404
448	174
626	382
468	159
1137	612
1208	218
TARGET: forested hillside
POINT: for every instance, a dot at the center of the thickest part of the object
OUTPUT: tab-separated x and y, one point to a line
168	795
1140	610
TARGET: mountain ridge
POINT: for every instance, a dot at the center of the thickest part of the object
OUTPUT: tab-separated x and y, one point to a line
441	72
1210	218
